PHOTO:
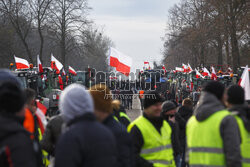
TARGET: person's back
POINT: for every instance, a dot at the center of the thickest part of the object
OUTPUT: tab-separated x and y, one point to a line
86	143
13	137
212	133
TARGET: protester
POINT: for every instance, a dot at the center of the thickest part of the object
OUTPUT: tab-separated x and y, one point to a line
104	114
85	143
182	116
51	134
14	139
141	97
213	137
31	124
169	110
152	135
237	105
120	113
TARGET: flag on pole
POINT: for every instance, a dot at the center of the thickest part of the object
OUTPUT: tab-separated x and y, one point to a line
189	68
55	64
206	72
39	66
60	82
198	74
244	83
178	69
63	72
185	68
21	63
120	61
40	113
72	71
213	76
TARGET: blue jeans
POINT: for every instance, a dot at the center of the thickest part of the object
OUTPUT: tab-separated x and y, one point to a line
177	159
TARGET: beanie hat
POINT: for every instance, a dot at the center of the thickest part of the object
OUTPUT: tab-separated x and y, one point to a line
167	106
75	101
214	87
102	98
151	98
12	98
236	94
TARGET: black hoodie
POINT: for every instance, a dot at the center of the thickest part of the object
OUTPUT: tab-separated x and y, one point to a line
229	130
13	135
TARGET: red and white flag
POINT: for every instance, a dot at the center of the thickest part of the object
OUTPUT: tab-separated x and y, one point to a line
185	67
189	68
39	66
206	72
163	67
244	82
178	69
120	61
198	74
21	63
72	71
40	113
63	72
55	64
60	82
213	76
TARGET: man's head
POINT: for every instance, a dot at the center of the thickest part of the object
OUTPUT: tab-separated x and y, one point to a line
187	103
75	101
102	101
235	96
12	97
152	104
216	88
30	95
169	108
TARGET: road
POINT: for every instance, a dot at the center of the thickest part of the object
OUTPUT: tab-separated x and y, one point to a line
136	111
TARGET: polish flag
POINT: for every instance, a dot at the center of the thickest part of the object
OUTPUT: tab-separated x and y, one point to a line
189	68
55	64
163	67
198	74
21	63
213	76
146	62
72	71
206	72
63	72
185	67
40	67
178	69
40	113
121	61
244	83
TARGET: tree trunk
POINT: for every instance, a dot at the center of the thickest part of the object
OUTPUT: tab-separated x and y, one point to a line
219	50
234	45
228	52
41	41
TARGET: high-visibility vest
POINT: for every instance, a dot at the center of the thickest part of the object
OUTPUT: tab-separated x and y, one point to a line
245	143
204	141
122	114
157	148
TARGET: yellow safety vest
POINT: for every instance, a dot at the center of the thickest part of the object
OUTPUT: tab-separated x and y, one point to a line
245	143
204	141
157	148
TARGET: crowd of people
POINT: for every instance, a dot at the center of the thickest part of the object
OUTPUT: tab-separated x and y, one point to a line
93	129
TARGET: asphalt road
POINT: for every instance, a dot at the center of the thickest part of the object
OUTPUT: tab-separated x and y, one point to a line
136	109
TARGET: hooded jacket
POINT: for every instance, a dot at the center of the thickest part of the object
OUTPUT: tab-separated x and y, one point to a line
86	143
229	130
14	136
243	112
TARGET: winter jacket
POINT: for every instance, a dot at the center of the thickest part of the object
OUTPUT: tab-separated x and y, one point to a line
86	143
123	142
122	120
182	116
17	139
229	130
138	141
52	134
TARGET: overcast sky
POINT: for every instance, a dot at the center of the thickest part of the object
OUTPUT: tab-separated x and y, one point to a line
135	26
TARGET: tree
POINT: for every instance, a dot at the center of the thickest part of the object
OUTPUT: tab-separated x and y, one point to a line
67	19
20	18
40	9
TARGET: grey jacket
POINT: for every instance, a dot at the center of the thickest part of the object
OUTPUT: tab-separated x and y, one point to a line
52	134
229	130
